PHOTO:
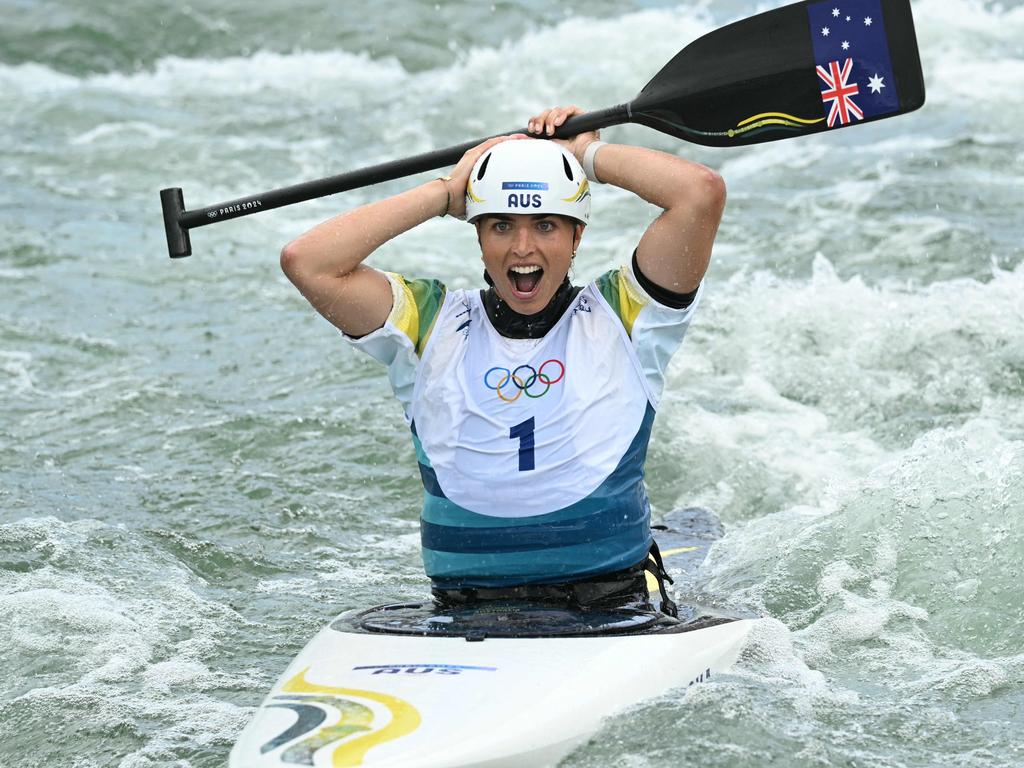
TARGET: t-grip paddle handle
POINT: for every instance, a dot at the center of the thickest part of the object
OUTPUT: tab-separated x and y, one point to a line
179	245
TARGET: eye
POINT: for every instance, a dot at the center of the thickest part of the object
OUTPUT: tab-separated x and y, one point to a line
546	225
502	226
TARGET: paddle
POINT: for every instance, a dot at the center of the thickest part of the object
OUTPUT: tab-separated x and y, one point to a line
812	66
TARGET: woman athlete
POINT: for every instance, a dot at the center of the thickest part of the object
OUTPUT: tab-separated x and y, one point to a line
530	401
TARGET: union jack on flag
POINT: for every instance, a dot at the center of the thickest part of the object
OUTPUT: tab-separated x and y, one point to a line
840	92
852	60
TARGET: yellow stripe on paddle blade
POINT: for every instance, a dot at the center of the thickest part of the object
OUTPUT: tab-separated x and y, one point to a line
781	115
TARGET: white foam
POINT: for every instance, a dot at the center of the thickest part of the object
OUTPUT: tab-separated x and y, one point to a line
969	19
958	81
554	59
969	56
16	366
286	586
295	73
789	332
877	580
791	155
85	609
27	80
122	631
884	349
970	52
130	130
558	60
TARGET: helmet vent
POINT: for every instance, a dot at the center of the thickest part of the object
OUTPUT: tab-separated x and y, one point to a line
568	168
483	167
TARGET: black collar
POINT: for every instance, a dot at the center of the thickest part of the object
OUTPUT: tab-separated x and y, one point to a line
512	325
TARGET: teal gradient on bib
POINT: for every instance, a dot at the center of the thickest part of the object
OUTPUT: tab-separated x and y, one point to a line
609	530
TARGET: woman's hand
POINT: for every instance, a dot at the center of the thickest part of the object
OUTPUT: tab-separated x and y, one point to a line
460	173
545	123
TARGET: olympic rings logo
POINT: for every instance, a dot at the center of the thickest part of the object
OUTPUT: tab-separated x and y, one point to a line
525	379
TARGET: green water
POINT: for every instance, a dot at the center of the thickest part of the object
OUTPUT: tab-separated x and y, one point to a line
196	473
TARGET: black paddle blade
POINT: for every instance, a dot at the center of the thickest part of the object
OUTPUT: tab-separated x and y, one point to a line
803	68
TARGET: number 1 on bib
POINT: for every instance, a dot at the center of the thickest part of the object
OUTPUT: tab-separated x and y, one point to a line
524	432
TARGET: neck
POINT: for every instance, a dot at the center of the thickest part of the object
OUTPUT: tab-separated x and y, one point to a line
513	325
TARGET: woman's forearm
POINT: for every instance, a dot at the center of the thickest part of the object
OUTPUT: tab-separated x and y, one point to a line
326	263
339	245
659	178
675	250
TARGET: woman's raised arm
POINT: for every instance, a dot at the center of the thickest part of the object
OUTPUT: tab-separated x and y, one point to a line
326	263
675	250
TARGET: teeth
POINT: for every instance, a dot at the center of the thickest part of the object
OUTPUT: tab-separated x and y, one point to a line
524	270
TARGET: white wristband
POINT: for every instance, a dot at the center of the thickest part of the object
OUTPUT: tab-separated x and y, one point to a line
588	159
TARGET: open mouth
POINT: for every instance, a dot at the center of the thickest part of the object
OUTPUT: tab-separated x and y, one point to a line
525	281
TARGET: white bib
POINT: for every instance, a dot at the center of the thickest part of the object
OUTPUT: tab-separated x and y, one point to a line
522	427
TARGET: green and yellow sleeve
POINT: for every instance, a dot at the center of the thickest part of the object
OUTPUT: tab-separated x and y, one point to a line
417	304
624	297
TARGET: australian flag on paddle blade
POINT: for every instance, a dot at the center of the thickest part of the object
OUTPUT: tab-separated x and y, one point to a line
854	68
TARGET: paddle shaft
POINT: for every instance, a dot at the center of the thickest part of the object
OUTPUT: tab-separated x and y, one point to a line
178	221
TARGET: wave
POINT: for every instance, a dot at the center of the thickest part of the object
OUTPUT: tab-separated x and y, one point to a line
953	35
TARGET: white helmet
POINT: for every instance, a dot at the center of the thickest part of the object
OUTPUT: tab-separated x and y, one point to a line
528	176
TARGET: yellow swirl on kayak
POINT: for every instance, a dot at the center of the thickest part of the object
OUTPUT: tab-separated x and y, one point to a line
404	719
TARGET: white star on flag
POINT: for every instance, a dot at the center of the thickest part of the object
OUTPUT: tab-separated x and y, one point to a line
835	11
876	83
846	45
867	21
847	18
824	31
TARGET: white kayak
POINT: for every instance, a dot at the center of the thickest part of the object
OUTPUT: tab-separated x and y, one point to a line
411	686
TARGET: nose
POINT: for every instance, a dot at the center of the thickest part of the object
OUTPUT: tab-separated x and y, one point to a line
522	242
